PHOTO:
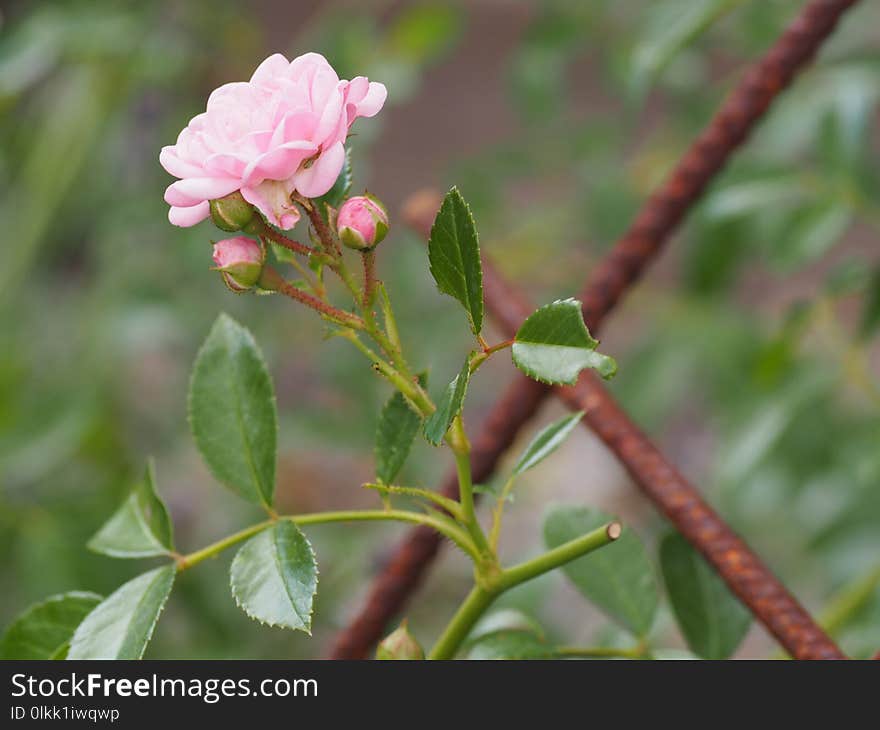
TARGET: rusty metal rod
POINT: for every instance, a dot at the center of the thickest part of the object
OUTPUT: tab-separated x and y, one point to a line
657	219
680	501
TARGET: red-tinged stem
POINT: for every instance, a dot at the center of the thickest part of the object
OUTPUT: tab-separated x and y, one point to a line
369	278
266	231
326	236
273	281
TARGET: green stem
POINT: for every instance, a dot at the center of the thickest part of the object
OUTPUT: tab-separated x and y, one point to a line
450	505
462	450
476	603
479	358
559	556
408	387
339	268
488	588
188	561
498	513
445	527
390	321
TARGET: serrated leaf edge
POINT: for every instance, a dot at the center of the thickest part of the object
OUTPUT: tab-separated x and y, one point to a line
160	608
455	192
308	629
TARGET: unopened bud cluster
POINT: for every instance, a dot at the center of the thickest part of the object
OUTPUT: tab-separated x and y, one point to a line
361	223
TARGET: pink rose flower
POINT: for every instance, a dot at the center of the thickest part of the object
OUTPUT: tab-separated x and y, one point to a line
362	222
279	133
240	259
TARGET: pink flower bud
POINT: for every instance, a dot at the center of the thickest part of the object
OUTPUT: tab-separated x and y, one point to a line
362	222
240	260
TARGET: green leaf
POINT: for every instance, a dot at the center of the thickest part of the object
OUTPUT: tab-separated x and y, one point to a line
283	255
448	407
505	619
424	32
546	442
815	230
510	645
122	624
670	26
777	191
454	255
553	345
140	528
232	411
341	188
398	426
618	578
712	620
43	631
274	577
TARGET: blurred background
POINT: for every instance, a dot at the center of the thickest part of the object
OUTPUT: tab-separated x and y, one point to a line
749	351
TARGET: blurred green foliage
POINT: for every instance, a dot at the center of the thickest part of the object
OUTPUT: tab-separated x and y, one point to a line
749	352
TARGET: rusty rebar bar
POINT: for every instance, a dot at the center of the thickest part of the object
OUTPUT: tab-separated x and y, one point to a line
680	501
658	218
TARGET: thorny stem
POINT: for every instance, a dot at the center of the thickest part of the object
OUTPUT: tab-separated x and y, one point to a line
445	527
322	229
314	281
388	316
271	280
450	505
489	588
408	387
264	230
369	258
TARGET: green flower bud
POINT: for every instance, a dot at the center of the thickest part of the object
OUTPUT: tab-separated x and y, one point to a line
231	213
400	644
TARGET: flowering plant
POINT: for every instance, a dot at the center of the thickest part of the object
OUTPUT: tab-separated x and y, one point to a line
265	154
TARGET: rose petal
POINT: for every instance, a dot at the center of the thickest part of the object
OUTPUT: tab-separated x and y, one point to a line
374	100
174	165
194	190
275	65
279	163
186	217
316	180
272	199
